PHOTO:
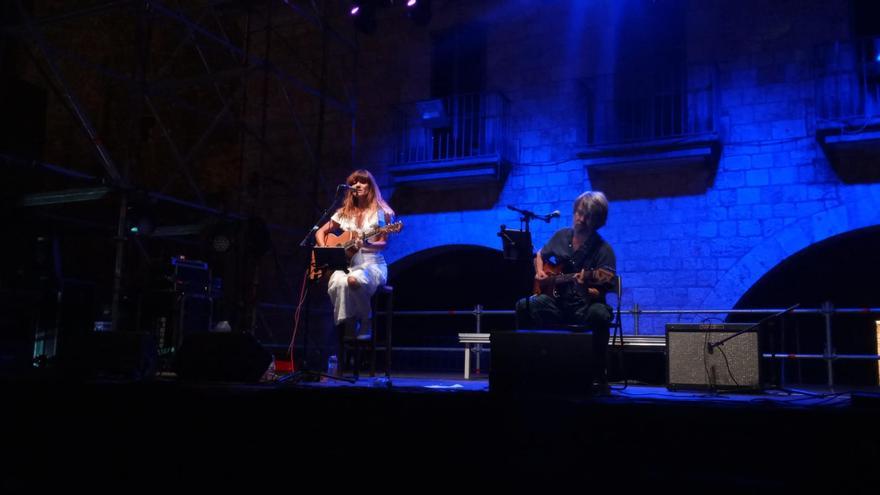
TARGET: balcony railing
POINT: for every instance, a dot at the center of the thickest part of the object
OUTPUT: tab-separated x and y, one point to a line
629	108
456	137
848	84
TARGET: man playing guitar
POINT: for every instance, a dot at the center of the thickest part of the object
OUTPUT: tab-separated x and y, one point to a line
573	272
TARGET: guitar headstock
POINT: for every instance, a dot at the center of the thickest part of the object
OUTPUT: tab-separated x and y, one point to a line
393	228
602	275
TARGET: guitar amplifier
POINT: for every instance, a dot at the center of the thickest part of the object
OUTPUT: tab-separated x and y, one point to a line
190	276
696	360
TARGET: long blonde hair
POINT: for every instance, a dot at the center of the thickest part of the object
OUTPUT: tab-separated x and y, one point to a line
373	197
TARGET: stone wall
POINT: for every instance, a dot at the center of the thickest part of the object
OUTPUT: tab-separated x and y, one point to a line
773	192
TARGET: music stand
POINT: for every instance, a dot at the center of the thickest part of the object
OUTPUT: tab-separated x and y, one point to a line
516	244
327	259
330	259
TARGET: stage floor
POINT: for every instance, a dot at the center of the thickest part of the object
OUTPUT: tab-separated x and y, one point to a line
796	395
437	428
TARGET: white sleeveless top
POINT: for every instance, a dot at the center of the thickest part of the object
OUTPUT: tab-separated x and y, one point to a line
371	220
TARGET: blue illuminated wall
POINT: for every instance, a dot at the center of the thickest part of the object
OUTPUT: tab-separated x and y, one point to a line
774	191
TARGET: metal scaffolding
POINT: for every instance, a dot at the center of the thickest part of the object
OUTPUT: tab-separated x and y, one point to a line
219	109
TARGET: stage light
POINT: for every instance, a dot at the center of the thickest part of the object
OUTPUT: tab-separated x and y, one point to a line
140	218
221	235
419	11
221	243
363	13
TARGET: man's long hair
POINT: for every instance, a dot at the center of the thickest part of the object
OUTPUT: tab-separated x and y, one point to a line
596	204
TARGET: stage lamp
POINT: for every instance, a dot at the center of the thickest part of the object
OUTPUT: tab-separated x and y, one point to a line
872	68
220	236
363	13
139	217
221	242
419	11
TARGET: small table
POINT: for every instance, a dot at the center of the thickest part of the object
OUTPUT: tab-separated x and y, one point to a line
469	339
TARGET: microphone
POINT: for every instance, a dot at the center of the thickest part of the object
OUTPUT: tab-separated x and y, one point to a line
548	216
530	214
343	187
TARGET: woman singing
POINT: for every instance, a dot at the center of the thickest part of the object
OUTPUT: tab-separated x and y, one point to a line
362	210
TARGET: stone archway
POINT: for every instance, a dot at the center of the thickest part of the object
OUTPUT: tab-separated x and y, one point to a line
860	208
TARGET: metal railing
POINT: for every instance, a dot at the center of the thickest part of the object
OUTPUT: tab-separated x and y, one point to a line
827	311
631	107
458	127
847	90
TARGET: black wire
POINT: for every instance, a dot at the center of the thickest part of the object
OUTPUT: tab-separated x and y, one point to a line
705	321
705	351
727	363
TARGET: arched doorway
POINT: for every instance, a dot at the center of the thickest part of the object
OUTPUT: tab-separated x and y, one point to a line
842	269
453	278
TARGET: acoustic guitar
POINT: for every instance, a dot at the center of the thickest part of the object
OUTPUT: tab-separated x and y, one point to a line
555	278
348	240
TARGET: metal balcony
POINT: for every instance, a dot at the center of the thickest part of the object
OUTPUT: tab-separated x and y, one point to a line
459	138
847	96
659	119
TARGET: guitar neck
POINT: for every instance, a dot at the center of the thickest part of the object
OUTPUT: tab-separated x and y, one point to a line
367	236
564	278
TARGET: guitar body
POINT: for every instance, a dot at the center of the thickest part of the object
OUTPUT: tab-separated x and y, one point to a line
592	279
333	240
347	240
548	285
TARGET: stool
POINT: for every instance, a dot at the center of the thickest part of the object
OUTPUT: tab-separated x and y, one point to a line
346	344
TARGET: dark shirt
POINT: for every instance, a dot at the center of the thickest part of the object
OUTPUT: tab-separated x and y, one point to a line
595	253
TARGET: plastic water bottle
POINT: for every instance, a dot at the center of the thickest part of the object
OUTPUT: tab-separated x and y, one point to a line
332	365
269	375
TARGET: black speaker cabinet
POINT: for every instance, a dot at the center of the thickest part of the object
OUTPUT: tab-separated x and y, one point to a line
691	364
541	362
112	354
222	356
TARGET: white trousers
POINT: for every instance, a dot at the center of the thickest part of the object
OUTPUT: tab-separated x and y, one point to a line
348	302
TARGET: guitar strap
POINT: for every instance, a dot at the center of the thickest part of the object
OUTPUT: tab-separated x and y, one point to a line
584	253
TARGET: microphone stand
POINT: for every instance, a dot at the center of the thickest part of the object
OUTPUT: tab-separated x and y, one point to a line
304	373
711	346
309	240
527	216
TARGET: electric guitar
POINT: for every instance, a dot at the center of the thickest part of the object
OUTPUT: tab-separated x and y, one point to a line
348	240
555	278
